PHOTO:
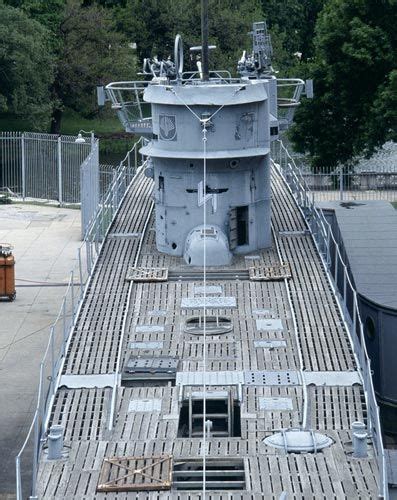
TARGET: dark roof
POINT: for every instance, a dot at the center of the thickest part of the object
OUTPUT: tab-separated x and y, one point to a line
369	233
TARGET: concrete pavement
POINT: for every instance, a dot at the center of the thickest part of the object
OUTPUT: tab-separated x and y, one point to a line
45	241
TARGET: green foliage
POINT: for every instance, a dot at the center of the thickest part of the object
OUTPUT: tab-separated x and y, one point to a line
26	67
354	82
153	24
91	53
294	21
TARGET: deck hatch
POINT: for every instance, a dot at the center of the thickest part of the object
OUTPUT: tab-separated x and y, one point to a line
222	410
220	474
215	325
151	368
135	474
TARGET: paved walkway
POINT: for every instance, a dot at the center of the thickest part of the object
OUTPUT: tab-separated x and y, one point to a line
45	241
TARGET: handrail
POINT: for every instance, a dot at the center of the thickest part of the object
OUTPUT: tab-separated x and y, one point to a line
54	354
323	236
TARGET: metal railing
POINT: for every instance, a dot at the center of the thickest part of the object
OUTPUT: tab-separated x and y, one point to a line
367	179
27	460
339	277
42	166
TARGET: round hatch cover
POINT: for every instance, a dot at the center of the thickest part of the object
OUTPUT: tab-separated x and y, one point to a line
298	441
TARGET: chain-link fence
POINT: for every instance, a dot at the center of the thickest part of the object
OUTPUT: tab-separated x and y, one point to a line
344	289
60	332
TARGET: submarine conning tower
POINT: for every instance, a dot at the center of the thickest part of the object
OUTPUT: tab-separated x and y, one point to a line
226	127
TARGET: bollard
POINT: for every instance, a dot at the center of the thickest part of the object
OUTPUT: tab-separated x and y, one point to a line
55	442
360	445
359	439
358	427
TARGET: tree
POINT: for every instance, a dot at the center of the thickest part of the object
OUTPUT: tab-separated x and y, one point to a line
90	53
153	24
355	54
26	67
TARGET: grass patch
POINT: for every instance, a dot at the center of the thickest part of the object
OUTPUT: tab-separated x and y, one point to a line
394	203
105	122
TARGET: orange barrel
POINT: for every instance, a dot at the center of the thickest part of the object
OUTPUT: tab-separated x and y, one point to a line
7	272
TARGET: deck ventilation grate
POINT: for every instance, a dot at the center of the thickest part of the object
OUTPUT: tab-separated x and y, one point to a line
147	274
135	474
270	273
220	474
152	368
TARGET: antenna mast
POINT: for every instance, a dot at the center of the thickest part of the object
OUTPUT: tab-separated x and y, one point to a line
204	39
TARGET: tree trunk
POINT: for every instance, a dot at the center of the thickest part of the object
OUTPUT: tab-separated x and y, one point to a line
56	121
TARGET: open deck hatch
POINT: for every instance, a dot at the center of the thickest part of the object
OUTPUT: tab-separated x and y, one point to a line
222	410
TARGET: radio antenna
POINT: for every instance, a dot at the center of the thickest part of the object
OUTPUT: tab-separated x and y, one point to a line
204	40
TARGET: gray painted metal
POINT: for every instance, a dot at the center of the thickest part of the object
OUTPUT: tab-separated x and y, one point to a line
209	302
270	404
211	378
369	234
87	381
144	405
147	345
332	379
270	344
271	378
151	365
237	166
299	441
149	329
269	324
209	290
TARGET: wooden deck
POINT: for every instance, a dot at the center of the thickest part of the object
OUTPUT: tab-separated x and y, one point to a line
261	350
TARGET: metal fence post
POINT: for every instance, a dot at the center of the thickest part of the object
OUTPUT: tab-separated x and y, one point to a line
18	478
64	328
341	183
80	272
72	295
52	360
23	166
60	198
